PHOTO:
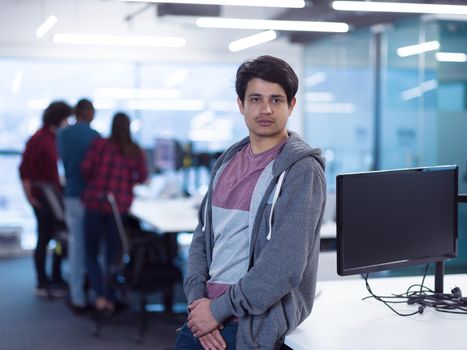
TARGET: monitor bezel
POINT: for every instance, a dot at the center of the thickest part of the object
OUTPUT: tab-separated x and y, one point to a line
341	270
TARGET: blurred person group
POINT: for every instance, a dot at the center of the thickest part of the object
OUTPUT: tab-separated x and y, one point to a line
93	168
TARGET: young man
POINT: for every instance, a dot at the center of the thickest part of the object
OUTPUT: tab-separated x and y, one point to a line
73	143
252	263
39	164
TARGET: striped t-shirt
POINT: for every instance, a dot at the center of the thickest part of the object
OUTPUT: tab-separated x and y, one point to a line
230	217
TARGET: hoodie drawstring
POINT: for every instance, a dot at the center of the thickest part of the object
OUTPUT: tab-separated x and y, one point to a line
205	217
274	200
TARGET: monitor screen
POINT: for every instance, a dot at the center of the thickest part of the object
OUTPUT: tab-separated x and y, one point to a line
166	154
396	218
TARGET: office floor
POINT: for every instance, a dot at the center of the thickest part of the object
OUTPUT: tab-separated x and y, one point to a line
31	322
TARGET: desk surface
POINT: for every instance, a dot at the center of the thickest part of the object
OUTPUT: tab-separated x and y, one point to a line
341	320
168	215
181	215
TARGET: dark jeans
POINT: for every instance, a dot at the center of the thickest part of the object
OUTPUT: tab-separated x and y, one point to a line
101	228
46	227
186	340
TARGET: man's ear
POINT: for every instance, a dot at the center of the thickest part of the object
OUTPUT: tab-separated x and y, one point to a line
240	105
292	105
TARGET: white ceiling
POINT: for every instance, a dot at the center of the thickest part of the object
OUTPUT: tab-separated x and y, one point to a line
19	20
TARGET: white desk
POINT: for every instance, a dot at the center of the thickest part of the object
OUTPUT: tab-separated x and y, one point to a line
341	320
181	215
168	215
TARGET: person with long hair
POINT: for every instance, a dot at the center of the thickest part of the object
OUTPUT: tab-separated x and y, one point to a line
113	165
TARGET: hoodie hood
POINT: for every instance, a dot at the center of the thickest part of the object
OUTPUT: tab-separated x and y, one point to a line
294	150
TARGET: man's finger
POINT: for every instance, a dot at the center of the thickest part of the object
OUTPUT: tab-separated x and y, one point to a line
193	304
193	327
204	343
217	335
213	341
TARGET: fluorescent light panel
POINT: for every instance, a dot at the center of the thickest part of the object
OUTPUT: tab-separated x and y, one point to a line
16	83
252	40
264	24
418	48
451	57
176	78
46	26
167	105
257	3
315	79
401	7
119	40
320	96
419	90
330	108
130	94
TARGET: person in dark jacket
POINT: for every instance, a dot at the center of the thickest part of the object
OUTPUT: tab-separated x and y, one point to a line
112	165
253	259
39	164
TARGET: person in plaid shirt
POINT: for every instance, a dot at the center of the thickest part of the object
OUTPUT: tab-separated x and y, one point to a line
111	165
39	164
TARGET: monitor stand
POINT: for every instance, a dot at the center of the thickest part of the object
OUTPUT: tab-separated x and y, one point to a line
439	277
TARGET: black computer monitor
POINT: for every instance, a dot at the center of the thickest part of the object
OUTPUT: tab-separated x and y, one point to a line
396	218
167	154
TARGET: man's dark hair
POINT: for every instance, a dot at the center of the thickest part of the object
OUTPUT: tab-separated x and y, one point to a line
270	69
82	106
56	113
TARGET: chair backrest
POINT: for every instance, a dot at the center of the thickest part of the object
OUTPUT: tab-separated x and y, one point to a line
53	197
125	257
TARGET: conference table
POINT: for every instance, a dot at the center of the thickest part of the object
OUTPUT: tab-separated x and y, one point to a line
340	319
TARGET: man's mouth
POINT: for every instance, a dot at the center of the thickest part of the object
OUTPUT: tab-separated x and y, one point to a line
264	122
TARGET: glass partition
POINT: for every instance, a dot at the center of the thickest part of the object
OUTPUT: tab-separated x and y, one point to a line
338	102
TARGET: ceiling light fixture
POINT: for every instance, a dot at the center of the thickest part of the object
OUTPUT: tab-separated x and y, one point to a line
16	83
252	40
264	24
401	7
46	26
451	57
418	48
258	3
119	40
419	90
315	79
167	105
134	94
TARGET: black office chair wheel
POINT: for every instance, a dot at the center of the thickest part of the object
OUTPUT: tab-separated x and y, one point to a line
139	338
96	331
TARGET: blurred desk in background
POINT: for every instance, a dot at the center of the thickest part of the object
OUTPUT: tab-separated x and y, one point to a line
328	236
181	215
168	215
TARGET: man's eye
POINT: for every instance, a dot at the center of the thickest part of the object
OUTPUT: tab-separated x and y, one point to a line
255	99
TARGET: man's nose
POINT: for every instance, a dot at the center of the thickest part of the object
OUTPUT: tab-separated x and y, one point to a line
266	108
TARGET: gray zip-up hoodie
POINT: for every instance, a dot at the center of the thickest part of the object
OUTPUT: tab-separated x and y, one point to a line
277	292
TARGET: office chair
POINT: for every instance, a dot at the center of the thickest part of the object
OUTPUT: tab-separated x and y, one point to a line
54	198
144	266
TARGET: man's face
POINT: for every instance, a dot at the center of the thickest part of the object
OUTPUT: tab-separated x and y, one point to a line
265	108
90	114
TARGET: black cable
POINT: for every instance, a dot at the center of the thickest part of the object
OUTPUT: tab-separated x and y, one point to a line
423	296
365	277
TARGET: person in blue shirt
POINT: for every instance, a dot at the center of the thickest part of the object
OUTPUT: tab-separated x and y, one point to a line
73	142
